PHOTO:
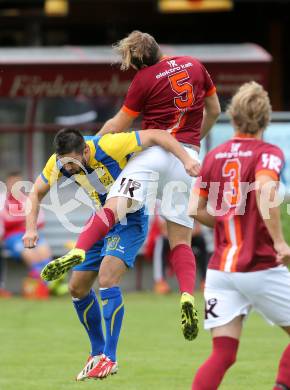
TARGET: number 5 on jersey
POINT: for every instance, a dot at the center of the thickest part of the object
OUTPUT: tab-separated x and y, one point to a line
182	88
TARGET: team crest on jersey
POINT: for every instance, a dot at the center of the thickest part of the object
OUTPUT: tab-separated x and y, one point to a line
103	175
113	242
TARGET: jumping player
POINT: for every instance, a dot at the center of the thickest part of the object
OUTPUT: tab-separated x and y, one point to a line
94	163
175	94
240	180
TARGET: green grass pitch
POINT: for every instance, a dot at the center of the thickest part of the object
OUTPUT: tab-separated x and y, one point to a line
43	347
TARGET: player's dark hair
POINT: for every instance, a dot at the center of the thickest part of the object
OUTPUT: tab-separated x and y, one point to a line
68	141
138	49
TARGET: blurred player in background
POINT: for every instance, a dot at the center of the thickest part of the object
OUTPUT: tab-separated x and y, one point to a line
247	269
175	94
94	163
157	249
13	227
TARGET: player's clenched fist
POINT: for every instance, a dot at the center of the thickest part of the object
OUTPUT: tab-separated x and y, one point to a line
283	253
192	167
30	239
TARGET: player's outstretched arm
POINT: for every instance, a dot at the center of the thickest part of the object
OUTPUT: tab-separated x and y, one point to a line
167	142
119	123
212	110
268	205
38	191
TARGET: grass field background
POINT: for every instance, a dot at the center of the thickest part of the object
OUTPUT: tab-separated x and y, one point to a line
43	347
285	220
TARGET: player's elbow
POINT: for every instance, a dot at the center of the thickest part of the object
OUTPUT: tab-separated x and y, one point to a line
153	137
214	111
212	106
114	126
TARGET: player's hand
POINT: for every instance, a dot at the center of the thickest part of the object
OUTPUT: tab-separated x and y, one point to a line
283	253
192	167
30	239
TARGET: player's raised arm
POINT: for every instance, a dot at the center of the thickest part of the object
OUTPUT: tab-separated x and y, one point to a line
169	143
39	190
48	177
268	204
122	121
211	113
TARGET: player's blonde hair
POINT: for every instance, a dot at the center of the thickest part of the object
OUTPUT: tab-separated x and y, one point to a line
137	49
250	108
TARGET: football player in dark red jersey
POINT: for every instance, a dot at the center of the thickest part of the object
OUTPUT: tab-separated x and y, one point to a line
175	94
239	182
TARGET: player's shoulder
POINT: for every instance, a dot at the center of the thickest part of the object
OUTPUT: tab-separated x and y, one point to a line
52	160
111	143
219	153
267	147
92	139
224	147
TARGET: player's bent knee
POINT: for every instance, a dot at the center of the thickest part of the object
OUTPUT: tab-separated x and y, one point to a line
107	280
77	291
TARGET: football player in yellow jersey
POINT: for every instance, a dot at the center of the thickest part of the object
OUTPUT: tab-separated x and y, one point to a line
94	163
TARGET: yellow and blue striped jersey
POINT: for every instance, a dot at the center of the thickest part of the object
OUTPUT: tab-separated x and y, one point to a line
108	156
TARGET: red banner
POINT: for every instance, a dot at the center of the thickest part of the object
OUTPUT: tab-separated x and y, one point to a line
104	80
60	81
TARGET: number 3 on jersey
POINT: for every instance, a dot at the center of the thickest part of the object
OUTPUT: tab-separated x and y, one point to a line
183	88
232	169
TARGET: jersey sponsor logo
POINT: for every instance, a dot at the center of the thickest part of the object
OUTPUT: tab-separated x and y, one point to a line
235	148
129	186
272	162
233	154
174	69
172	63
209	310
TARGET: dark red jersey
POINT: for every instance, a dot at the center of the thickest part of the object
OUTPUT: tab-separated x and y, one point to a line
170	95
228	174
12	217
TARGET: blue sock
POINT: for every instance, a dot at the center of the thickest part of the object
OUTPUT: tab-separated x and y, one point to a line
36	268
113	313
89	314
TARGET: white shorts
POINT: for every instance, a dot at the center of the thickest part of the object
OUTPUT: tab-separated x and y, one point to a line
230	294
156	174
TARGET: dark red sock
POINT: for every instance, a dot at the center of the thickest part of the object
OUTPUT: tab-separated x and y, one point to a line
283	377
211	373
96	228
183	263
